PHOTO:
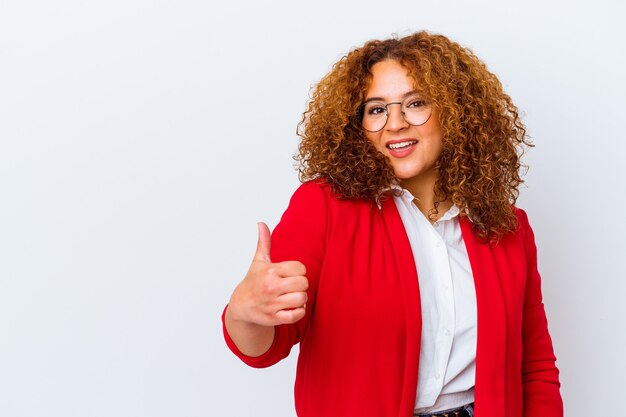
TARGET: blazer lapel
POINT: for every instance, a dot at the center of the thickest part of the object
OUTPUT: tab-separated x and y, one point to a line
491	315
406	270
491	327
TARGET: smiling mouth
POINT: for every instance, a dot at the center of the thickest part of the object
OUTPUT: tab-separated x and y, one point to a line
401	145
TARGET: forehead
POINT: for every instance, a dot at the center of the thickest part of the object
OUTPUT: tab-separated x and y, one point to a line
389	81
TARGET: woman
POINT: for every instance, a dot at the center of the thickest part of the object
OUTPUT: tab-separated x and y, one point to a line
402	266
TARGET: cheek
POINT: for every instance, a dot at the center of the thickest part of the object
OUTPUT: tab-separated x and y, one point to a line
438	148
374	138
435	141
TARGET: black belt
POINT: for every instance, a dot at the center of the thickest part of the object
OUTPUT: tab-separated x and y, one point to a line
463	411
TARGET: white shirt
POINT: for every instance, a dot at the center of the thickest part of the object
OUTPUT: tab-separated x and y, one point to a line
447	365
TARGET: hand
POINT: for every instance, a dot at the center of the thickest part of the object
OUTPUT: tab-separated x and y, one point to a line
271	293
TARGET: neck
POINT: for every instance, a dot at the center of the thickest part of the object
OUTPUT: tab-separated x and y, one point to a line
422	188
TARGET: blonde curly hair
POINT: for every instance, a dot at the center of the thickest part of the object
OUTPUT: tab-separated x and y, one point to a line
483	136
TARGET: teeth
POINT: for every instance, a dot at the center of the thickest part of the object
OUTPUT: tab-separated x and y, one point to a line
401	144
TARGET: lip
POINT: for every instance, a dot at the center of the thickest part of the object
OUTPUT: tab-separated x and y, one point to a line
402	152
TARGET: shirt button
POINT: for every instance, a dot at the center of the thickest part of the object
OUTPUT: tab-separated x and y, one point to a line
446	332
438	375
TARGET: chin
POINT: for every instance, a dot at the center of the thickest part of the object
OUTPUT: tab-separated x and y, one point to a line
405	175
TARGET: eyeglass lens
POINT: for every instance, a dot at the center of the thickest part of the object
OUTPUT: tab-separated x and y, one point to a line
375	113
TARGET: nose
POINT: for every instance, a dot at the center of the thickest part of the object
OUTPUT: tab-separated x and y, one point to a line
395	118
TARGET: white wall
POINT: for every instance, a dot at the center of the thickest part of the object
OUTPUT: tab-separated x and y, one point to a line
140	141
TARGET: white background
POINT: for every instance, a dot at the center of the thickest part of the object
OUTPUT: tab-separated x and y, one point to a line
140	142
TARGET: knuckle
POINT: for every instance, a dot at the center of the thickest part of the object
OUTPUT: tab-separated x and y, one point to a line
295	267
268	287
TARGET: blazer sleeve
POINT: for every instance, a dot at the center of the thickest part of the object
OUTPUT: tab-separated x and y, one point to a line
299	236
540	376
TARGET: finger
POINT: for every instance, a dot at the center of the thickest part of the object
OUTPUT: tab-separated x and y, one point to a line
290	301
290	316
286	285
290	268
263	243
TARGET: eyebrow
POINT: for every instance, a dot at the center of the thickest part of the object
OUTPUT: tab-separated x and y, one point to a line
405	95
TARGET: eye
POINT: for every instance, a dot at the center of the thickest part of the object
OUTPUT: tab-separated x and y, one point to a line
415	103
375	109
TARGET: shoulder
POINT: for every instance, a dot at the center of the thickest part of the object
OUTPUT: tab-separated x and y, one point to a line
315	202
525	231
319	192
522	220
309	203
314	189
311	195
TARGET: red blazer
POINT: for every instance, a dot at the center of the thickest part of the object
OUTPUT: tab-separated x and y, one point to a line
360	338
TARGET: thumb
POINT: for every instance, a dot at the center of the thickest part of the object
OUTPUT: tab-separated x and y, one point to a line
263	244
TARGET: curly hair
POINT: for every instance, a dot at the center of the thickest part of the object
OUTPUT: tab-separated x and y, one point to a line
483	136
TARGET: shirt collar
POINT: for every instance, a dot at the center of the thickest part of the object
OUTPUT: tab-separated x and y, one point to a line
407	197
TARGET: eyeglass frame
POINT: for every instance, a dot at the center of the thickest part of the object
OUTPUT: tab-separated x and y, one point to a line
361	113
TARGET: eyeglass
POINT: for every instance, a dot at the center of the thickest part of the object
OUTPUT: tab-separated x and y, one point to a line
374	114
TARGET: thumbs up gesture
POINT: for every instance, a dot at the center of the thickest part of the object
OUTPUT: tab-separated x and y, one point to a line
271	293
